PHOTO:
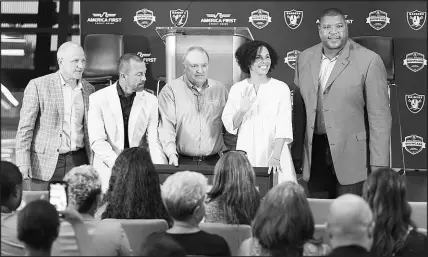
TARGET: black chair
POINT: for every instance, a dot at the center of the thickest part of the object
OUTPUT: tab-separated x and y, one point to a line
102	53
384	47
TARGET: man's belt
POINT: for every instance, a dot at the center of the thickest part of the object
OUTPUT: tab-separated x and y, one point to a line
72	152
200	158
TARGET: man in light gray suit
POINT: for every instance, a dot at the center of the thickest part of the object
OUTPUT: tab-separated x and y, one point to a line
52	134
348	129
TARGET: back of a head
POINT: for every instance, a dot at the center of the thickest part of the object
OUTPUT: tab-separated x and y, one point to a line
134	182
38	225
84	186
234	185
10	185
182	192
350	222
284	221
161	244
385	192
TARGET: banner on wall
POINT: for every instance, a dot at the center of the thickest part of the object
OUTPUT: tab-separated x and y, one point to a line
290	27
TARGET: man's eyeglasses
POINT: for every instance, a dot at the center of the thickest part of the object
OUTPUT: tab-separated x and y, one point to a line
236	151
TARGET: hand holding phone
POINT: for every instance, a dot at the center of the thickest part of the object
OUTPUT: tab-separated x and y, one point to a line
58	195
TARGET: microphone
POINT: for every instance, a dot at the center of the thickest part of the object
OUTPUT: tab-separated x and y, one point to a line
181	16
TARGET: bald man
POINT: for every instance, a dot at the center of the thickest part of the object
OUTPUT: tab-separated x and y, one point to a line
52	135
350	226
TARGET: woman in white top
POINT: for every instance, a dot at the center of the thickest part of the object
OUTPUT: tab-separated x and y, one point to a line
258	109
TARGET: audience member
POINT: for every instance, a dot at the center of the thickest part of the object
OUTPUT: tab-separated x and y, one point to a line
183	194
350	226
284	225
190	107
158	244
38	227
395	233
11	196
134	189
52	134
84	194
233	198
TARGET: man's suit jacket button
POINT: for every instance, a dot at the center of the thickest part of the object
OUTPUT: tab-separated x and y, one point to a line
312	127
331	144
57	150
60	135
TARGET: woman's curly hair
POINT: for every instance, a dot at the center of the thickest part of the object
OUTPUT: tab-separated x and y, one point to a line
246	55
134	190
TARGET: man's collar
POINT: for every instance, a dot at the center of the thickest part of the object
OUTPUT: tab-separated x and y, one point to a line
191	86
79	82
120	91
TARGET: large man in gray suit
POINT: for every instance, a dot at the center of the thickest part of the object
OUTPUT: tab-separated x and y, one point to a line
345	92
52	134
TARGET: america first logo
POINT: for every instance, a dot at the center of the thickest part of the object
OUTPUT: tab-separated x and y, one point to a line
415	61
104	18
219	18
260	18
415	102
378	19
416	19
144	18
178	17
293	18
413	144
291	58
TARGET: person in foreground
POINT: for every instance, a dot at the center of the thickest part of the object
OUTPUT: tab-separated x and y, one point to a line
259	111
190	107
38	227
350	226
52	135
233	198
395	233
134	191
183	195
158	244
84	194
121	115
11	198
284	225
345	93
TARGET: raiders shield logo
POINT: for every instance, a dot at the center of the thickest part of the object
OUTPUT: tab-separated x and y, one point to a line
378	19
291	58
178	17
144	18
260	18
293	18
416	19
415	61
415	102
413	144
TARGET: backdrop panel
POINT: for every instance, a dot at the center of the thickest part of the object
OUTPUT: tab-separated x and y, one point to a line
289	27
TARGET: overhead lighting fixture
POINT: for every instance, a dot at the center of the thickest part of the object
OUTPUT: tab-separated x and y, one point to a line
12	52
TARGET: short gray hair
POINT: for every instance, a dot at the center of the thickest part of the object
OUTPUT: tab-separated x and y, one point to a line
195	48
182	192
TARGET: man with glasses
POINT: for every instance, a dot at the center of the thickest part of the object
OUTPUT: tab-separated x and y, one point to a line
345	92
190	128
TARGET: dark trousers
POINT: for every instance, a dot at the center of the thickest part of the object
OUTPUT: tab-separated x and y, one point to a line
323	182
65	163
188	160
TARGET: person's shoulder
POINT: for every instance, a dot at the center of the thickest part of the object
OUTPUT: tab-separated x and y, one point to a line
311	249
216	83
102	92
280	85
239	85
88	85
360	51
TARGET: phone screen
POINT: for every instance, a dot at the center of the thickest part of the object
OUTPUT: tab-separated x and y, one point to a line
58	195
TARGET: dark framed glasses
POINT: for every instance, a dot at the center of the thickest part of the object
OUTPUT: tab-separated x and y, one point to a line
236	151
